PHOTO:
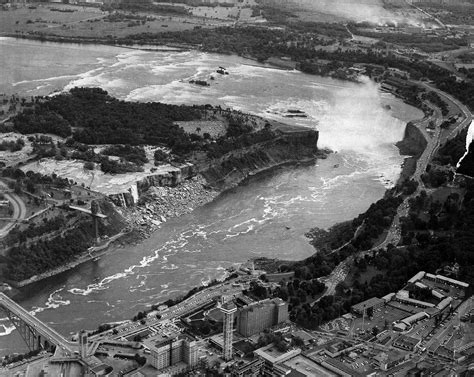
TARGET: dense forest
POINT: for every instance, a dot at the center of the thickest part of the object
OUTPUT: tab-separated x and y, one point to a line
24	262
93	117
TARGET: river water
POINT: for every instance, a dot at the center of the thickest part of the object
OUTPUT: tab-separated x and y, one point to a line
267	217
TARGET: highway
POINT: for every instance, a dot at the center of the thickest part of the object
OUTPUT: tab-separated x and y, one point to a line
44	330
19	209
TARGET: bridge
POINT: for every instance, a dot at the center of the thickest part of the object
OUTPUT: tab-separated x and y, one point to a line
88	211
35	333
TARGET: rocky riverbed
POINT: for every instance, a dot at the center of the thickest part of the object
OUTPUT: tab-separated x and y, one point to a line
161	203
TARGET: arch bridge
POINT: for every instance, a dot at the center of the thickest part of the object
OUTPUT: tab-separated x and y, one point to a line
35	333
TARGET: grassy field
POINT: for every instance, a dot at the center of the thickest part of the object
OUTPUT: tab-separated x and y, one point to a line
43	19
91	22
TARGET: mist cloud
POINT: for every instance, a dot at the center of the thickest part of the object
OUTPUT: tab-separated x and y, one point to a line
355	10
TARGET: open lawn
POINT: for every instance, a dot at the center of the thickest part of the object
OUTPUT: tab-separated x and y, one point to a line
91	22
43	19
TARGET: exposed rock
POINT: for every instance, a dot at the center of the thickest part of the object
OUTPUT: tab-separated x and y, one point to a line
413	143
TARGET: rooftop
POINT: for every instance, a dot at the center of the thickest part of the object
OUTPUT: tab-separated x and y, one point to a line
367	303
271	354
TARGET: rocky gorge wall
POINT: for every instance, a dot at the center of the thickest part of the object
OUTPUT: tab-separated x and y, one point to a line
168	179
289	147
286	148
413	142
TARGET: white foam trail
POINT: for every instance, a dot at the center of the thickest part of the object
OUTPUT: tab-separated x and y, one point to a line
54	301
54	78
7	329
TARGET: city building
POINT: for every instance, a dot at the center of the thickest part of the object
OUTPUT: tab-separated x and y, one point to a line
372	303
273	359
340	368
261	315
406	343
228	309
444	303
418	276
168	351
388	360
82	344
403	297
245	368
448	281
409	321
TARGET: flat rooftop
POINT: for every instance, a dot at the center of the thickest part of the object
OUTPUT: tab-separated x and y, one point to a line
308	368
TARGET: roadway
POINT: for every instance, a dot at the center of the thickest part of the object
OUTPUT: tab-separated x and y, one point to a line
181	309
19	209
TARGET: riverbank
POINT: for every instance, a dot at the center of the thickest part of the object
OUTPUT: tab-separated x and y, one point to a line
92	253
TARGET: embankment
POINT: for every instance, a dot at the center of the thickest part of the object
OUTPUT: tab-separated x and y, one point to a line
287	148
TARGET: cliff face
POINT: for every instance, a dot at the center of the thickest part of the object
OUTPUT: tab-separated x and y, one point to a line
413	143
171	179
285	148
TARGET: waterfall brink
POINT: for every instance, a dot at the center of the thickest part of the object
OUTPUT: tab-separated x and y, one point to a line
469	137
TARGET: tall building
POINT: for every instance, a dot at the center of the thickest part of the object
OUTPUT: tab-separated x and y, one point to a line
82	344
228	309
170	351
261	315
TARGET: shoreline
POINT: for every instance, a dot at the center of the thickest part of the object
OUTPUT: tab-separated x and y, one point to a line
80	259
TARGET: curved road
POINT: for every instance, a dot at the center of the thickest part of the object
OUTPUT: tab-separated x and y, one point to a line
19	209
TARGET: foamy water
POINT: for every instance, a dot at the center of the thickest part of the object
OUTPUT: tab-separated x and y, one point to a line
268	217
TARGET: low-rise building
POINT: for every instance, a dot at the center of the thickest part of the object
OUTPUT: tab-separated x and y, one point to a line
418	276
444	303
406	343
272	358
340	368
247	368
388	360
403	297
409	321
372	303
447	281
